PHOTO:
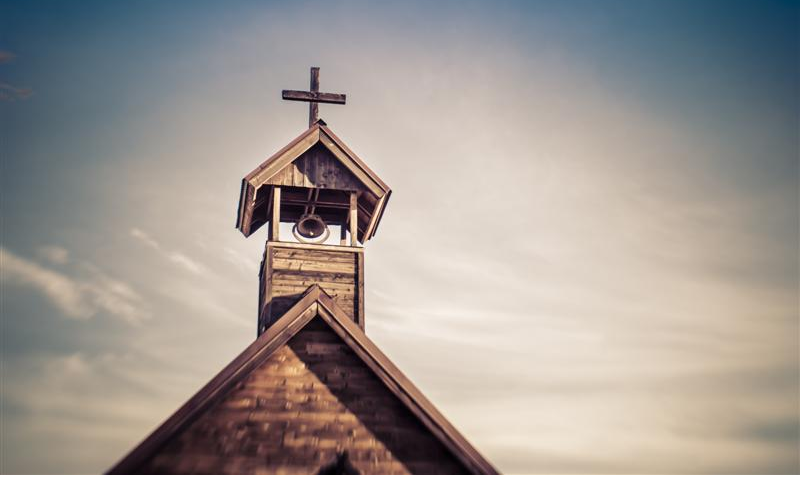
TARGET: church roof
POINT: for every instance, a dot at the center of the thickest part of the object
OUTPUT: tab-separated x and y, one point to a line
315	303
252	212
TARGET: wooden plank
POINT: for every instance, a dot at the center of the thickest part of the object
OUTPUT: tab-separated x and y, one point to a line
320	276
328	133
354	168
275	223
313	108
311	246
267	285
259	350
284	287
353	219
317	167
373	221
314	97
360	292
291	265
318	257
283	157
316	303
404	389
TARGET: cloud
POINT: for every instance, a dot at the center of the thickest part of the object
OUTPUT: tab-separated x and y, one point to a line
9	93
6	56
182	260
241	261
145	238
583	279
80	401
76	298
53	254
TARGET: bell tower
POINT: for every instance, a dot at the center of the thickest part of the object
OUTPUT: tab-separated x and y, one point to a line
317	186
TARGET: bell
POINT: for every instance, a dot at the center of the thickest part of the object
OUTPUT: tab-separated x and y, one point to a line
311	226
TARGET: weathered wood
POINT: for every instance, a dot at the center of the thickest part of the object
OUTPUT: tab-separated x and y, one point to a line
370	187
291	246
228	423
317	168
311	398
313	107
294	149
353	219
351	164
313	96
275	223
294	267
360	292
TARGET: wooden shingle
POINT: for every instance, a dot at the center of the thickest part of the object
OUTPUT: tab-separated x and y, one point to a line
311	387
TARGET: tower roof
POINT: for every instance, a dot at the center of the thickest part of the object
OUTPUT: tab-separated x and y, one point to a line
315	303
349	172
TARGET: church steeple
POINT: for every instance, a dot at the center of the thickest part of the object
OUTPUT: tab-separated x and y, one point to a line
312	393
312	184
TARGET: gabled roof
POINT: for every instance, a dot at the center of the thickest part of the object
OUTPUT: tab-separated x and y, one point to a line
318	133
314	303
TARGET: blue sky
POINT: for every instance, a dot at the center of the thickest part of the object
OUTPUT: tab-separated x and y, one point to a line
629	305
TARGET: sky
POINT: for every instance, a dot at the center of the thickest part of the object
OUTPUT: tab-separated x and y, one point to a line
589	262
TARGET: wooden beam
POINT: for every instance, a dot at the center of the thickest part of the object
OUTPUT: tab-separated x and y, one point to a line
360	291
286	155
275	223
313	108
353	219
343	234
314	97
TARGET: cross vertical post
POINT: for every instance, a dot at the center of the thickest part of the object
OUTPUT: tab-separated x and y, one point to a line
313	97
313	106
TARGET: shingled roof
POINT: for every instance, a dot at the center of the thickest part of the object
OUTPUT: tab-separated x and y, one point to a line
315	303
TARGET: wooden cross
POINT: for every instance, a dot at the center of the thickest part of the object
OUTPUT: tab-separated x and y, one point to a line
313	97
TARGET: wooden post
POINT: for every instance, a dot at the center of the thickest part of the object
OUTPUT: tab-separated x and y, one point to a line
275	223
353	219
343	234
313	108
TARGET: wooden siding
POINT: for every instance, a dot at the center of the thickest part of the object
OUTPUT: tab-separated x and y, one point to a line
289	269
317	168
311	398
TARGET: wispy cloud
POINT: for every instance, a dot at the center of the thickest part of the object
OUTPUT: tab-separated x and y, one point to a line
242	262
53	254
75	297
180	259
78	401
607	261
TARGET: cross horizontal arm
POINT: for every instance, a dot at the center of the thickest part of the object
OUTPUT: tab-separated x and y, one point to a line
304	95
